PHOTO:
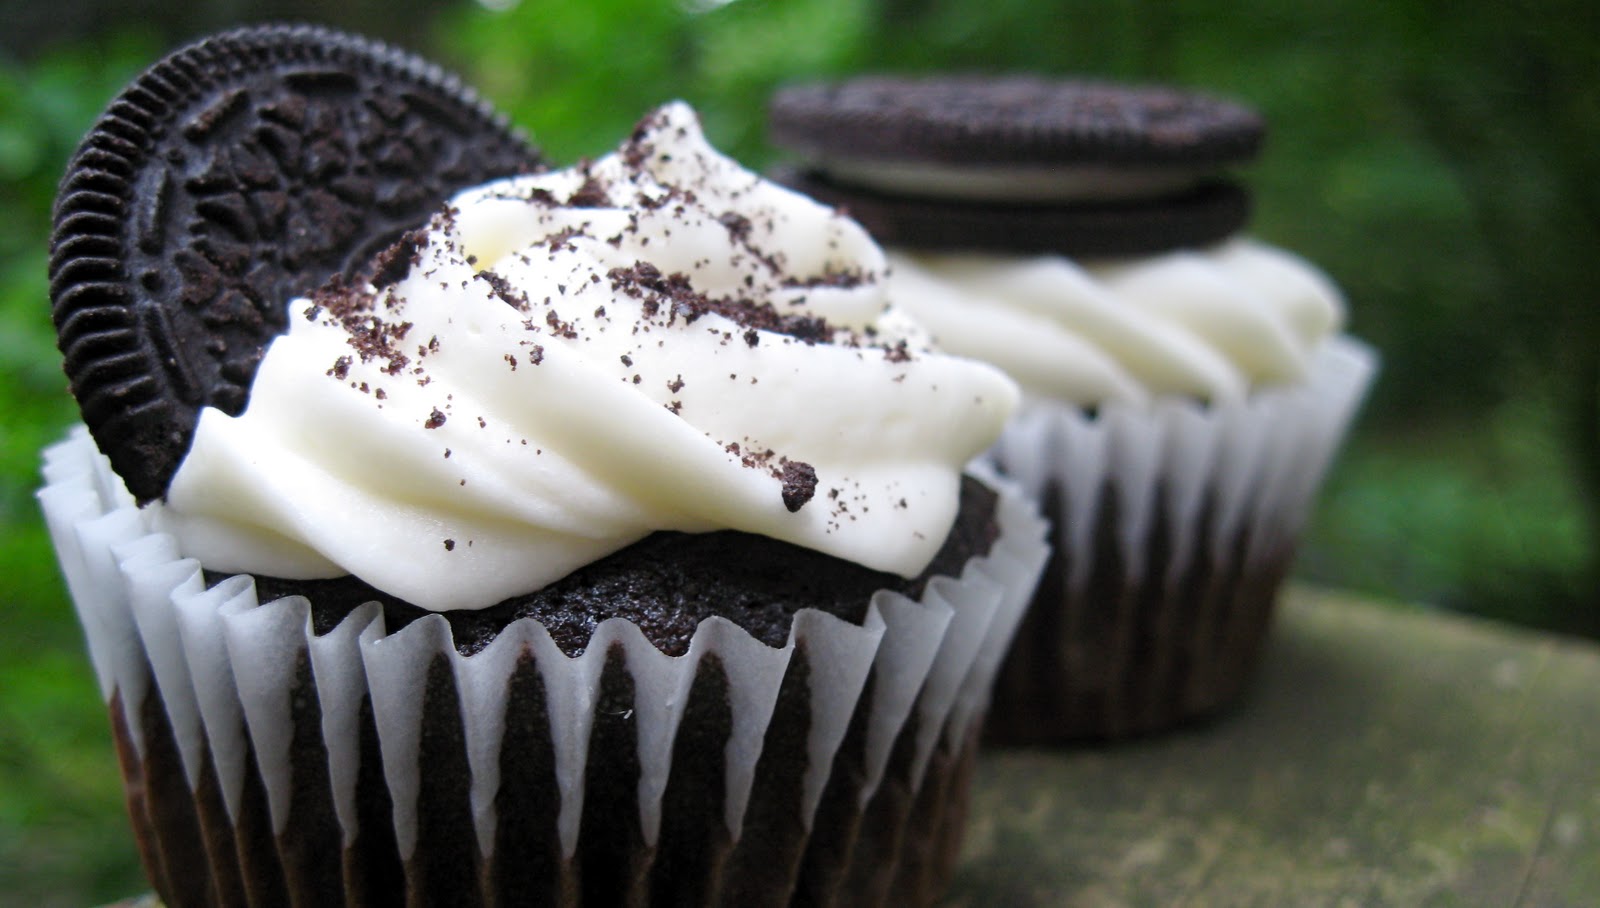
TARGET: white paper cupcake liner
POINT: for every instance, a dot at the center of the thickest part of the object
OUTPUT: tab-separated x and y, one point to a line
362	755
1174	526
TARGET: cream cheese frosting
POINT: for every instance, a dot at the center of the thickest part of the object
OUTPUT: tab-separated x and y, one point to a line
1211	324
563	363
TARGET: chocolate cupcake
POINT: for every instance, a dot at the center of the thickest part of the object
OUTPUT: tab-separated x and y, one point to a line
1185	386
602	540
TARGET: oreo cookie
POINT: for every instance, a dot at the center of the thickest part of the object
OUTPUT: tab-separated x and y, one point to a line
1021	164
236	174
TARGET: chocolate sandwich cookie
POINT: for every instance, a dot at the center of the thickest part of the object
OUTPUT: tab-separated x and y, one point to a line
1021	164
232	176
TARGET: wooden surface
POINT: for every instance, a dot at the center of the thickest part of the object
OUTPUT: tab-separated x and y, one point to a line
1384	757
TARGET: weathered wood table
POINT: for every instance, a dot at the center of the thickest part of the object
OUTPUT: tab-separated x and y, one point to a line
1385	757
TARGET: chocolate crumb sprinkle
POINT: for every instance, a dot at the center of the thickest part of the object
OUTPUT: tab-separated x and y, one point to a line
394	264
799	484
844	279
646	283
502	288
737	224
592	194
558	327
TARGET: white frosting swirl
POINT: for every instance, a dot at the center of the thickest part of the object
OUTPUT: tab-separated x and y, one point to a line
1212	323
532	396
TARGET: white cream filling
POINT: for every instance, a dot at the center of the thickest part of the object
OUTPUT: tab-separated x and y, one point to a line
1017	184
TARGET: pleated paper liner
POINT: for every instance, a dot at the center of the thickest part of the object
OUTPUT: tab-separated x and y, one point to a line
267	765
1173	529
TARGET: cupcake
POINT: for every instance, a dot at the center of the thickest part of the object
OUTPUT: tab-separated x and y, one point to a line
603	539
1185	386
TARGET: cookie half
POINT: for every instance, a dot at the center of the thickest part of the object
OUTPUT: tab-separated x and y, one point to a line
1191	218
232	176
1020	120
1021	163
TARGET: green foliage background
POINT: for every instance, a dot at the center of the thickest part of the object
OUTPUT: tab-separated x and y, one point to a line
1438	160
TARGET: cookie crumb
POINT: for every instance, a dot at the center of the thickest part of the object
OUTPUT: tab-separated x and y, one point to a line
799	484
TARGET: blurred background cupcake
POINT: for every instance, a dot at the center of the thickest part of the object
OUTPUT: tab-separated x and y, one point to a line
1186	387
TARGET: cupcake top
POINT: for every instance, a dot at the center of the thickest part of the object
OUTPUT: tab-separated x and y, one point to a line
1085	236
560	364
